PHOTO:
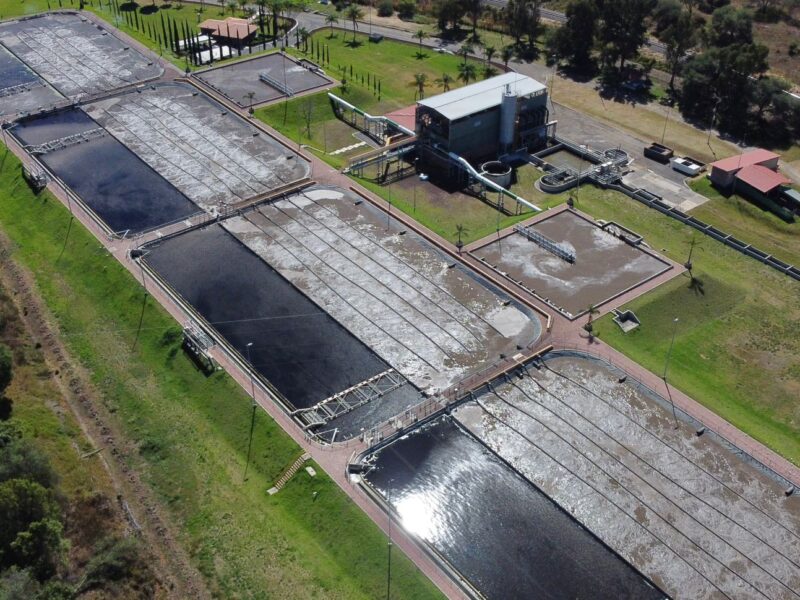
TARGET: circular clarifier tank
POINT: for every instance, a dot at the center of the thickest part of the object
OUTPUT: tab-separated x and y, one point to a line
498	172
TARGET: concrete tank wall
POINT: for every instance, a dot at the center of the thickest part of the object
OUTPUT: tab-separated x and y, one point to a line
498	172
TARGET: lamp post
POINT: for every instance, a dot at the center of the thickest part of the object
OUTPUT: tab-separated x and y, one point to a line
666	366
253	414
422	177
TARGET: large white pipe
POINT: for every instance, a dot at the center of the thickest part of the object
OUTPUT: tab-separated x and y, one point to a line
369	117
489	183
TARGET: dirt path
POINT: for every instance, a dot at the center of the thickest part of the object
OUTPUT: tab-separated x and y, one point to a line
136	502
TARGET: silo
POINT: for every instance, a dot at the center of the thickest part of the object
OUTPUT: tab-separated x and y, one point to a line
508	118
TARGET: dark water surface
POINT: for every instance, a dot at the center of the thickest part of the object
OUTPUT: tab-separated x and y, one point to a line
297	346
506	537
13	71
115	183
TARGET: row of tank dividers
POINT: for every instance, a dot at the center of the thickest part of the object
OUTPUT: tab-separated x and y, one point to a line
361	463
570	349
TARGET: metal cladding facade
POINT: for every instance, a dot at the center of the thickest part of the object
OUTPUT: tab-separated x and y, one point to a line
485	119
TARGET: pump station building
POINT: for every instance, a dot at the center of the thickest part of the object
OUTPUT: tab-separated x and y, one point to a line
484	120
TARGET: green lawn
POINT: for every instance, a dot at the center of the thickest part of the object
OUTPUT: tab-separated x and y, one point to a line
748	222
737	343
442	211
393	64
192	430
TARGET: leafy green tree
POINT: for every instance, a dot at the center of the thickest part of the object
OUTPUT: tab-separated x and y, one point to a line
679	34
448	15
30	535
473	9
261	7
623	29
522	20
406	9
575	39
18	584
20	460
730	26
764	93
717	88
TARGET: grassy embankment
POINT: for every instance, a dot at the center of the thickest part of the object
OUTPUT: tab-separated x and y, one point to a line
192	431
747	222
737	345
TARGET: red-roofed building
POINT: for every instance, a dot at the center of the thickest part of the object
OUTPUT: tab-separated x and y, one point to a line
230	32
723	172
759	178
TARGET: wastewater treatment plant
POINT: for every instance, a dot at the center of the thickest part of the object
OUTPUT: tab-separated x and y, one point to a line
434	299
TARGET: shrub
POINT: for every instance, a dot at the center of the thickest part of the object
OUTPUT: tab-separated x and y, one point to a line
406	9
385	8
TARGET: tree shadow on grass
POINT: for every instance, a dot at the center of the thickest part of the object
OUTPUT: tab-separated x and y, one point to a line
421	55
128	6
354	43
148	10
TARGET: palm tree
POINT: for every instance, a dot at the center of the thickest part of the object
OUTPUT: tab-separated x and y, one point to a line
262	11
243	5
331	20
465	50
467	72
592	310
490	52
489	71
354	13
420	81
250	96
507	53
420	35
232	4
444	81
303	34
460	231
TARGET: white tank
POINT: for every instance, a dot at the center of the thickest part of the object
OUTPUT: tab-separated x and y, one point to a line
508	118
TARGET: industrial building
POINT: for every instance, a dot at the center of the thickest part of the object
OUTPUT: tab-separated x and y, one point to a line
484	120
